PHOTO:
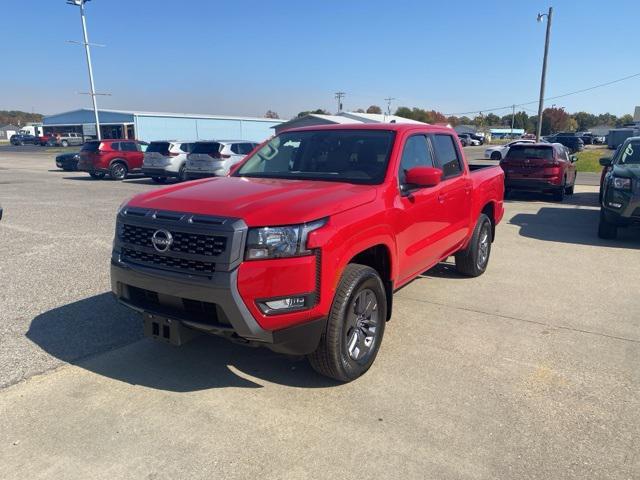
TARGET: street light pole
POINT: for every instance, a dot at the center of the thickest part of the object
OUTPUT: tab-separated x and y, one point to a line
87	51
544	69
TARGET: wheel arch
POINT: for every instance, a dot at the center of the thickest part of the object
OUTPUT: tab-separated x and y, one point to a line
489	209
379	258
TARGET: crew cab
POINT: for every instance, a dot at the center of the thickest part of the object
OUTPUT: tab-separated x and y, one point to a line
620	202
301	247
117	158
544	167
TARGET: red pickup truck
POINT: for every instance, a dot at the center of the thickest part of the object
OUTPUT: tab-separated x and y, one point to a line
301	248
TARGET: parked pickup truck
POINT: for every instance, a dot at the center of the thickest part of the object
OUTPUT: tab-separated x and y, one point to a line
301	247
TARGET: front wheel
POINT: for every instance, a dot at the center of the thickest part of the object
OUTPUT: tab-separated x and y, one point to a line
355	326
473	260
606	229
118	171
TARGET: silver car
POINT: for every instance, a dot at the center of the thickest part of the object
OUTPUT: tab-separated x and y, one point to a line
215	158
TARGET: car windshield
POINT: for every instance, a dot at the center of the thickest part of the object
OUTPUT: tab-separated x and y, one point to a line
630	153
353	156
523	151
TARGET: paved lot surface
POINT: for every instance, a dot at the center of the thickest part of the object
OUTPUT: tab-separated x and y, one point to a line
530	371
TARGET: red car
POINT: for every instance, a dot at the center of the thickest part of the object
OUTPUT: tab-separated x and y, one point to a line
545	167
301	248
117	158
44	139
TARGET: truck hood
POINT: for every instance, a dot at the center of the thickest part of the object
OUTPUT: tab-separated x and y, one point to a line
258	201
630	170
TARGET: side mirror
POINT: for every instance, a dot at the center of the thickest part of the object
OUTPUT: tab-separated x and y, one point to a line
605	161
573	158
423	177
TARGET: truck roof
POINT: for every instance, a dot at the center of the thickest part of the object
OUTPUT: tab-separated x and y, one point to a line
394	127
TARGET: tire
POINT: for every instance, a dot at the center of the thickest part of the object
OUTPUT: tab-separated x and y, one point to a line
570	190
118	171
159	179
558	194
97	175
64	143
606	229
473	260
182	173
496	156
345	352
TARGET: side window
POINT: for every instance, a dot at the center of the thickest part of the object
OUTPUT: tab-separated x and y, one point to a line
235	148
115	146
446	155
246	148
416	153
128	147
186	147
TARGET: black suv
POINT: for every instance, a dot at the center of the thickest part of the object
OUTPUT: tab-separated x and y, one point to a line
620	206
23	139
569	140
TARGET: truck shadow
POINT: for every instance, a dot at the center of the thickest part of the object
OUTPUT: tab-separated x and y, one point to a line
586	199
569	225
101	336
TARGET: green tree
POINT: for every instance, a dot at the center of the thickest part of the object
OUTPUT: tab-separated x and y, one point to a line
318	111
374	109
624	119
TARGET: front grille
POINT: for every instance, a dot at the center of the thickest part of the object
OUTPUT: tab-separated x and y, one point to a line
173	263
193	243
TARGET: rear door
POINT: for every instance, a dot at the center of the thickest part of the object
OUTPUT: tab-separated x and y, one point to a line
455	191
132	153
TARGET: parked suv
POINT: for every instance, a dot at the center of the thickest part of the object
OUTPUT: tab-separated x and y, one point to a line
117	158
569	140
23	139
301	248
66	139
540	167
620	205
165	159
216	158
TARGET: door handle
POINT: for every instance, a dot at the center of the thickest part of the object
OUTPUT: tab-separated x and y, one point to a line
441	198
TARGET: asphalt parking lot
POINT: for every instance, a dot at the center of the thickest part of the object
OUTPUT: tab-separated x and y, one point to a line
529	371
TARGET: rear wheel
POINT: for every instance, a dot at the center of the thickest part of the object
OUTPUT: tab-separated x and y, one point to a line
569	190
182	173
496	156
473	260
558	195
97	175
64	143
118	171
606	229
355	326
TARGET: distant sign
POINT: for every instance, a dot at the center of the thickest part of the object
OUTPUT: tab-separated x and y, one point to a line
89	129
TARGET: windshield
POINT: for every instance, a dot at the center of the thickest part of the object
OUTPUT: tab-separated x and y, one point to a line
353	156
524	151
630	153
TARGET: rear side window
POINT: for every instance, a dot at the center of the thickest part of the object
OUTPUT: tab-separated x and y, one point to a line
115	145
522	151
245	148
235	148
416	153
206	147
128	147
90	147
158	147
446	155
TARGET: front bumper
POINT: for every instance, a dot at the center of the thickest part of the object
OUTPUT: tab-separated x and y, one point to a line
532	184
629	210
211	305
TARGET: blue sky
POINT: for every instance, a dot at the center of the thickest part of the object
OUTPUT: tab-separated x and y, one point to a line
244	57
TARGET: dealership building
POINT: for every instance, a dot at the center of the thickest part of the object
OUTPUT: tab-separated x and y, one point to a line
160	126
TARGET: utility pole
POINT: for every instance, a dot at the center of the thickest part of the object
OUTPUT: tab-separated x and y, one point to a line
389	100
87	51
544	69
339	96
513	118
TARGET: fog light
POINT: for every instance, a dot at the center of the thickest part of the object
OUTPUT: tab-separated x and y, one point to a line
287	304
615	205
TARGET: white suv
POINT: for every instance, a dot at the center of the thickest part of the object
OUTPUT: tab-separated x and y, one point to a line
215	158
164	159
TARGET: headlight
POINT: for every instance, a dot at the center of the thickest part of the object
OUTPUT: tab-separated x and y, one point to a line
278	242
620	183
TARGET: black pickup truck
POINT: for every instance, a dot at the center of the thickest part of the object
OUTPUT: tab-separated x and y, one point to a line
620	205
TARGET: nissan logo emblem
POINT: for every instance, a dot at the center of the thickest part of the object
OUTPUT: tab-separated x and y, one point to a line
162	240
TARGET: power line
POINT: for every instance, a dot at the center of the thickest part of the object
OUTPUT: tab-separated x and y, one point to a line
600	85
